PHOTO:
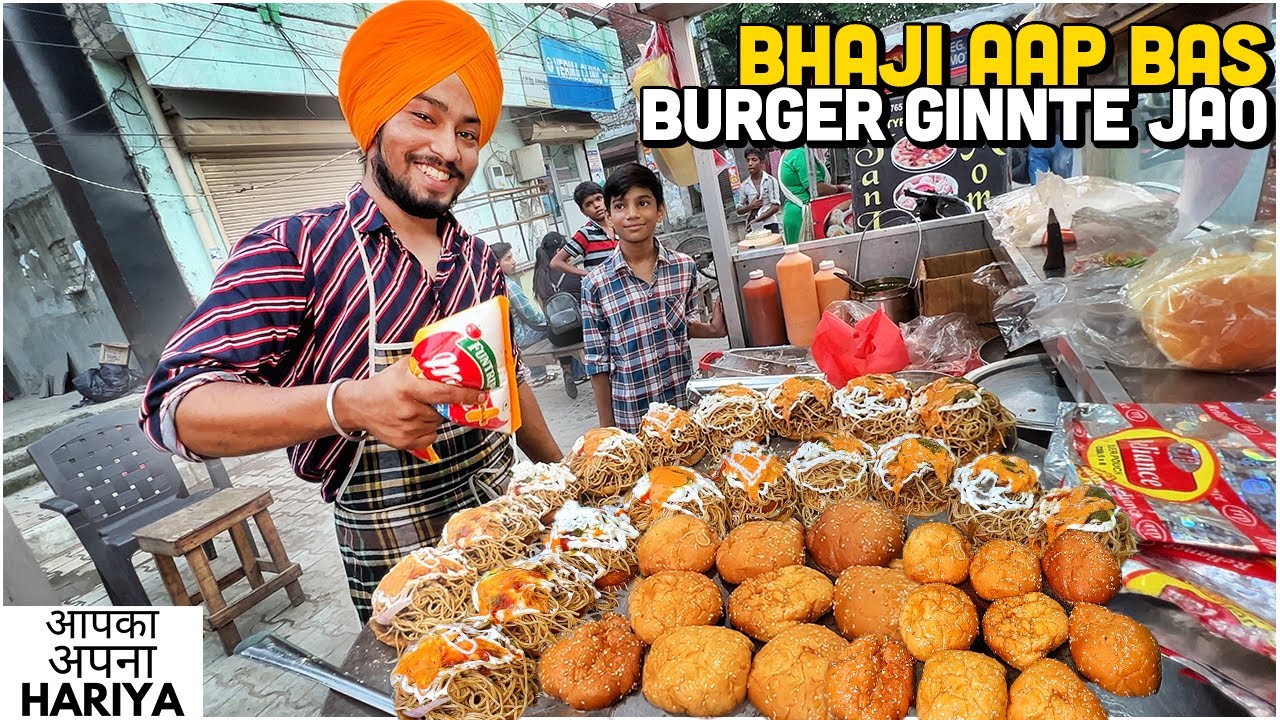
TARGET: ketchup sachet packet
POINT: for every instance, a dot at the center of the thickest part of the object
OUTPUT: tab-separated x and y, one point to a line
472	349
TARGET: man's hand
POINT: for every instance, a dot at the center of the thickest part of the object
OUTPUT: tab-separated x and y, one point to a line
717	319
397	407
714	329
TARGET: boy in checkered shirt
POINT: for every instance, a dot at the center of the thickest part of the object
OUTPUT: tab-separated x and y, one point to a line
639	308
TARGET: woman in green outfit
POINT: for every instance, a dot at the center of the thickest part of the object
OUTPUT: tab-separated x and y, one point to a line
793	177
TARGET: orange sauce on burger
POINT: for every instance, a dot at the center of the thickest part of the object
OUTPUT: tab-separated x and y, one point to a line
433	654
1075	509
791	389
666	421
663	481
478	521
841	442
736	391
942	393
914	452
881	384
753	470
593	438
1014	470
512	589
412	568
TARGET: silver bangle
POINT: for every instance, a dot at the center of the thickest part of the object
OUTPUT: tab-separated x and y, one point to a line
333	418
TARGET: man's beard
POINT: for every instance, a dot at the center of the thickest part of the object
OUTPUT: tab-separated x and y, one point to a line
399	193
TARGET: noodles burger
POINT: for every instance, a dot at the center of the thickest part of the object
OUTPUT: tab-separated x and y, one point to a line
535	601
428	587
603	537
1088	508
911	475
800	407
970	420
463	671
730	414
493	533
995	499
669	489
607	461
671	437
543	486
876	408
828	469
755	484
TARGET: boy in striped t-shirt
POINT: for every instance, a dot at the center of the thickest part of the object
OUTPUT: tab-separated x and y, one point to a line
594	242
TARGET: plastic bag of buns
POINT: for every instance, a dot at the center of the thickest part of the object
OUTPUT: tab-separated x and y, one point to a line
1210	304
1207	303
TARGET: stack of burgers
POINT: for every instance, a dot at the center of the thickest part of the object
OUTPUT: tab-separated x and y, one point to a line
726	572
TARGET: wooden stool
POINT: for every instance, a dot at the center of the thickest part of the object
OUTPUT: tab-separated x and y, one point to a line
184	534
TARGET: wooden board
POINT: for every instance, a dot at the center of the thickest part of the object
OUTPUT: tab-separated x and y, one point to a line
193	525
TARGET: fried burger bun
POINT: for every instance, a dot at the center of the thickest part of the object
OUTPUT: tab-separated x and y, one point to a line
874	679
1079	568
1002	568
962	685
593	668
759	546
1024	628
698	670
673	598
678	542
854	532
869	599
789	674
1115	651
937	553
1049	690
766	604
937	617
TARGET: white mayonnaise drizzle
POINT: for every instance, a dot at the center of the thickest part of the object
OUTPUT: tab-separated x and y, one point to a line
983	490
585	527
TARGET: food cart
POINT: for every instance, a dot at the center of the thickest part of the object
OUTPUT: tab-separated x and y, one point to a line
896	251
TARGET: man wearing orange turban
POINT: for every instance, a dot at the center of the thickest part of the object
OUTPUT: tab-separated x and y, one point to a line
303	341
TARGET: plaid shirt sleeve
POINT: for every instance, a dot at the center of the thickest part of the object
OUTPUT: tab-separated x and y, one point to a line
693	304
595	330
523	307
242	331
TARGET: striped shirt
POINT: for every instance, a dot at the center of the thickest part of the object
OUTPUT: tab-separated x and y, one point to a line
591	243
638	332
291	307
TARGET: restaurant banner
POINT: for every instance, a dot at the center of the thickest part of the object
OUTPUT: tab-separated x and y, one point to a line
881	175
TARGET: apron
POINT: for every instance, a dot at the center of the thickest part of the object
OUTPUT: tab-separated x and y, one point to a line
391	503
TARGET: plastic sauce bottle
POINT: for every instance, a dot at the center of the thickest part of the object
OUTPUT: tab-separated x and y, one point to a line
830	288
764	312
799	296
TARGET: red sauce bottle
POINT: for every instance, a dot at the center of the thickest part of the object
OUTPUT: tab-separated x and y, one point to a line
765	326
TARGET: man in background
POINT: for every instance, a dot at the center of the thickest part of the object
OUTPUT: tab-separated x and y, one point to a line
761	199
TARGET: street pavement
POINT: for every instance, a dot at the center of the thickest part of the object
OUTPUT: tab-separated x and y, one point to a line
325	624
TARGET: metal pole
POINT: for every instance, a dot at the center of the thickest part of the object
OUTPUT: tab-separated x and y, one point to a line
709	185
813	176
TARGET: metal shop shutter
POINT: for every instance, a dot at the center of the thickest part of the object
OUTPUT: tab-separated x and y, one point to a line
247	190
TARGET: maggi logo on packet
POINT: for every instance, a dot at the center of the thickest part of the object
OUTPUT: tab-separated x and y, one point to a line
472	349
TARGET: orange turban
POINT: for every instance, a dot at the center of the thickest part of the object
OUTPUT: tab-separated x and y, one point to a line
406	48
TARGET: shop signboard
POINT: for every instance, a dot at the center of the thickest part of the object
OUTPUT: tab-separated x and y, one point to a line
578	78
882	175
